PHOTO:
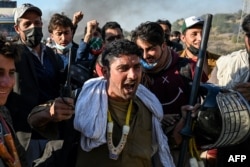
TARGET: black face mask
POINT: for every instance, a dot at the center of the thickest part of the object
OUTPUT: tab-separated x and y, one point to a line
33	36
193	50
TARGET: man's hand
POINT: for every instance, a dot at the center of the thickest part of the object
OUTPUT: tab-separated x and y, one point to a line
91	28
188	108
180	125
170	119
60	110
244	89
77	17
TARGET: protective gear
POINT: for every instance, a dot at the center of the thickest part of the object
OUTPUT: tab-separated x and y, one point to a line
193	50
96	46
64	49
146	65
224	120
235	113
208	125
33	36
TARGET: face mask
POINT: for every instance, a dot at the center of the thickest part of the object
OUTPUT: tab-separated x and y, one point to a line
33	36
193	50
64	49
95	46
146	65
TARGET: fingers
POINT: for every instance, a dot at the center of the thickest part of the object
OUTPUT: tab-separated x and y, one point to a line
196	107
243	85
61	115
190	107
170	119
187	108
93	23
244	89
91	26
245	94
65	100
62	109
77	17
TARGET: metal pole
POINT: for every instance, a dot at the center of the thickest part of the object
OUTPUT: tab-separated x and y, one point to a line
186	132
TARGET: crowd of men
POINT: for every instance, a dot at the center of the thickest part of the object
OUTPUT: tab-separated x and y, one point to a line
111	101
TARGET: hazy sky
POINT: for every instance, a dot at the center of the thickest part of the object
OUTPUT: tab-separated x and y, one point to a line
130	13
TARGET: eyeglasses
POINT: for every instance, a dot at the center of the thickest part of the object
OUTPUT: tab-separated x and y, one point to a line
114	37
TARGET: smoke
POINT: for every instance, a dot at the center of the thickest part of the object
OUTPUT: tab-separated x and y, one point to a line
127	13
130	13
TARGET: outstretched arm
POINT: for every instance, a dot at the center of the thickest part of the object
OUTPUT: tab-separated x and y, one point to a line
44	117
77	17
244	89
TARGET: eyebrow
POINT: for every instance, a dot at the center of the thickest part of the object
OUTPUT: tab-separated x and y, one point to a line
2	69
150	47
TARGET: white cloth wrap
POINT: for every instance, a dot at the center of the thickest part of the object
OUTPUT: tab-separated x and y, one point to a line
91	118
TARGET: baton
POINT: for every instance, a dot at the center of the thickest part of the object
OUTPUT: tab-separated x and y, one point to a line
66	90
186	132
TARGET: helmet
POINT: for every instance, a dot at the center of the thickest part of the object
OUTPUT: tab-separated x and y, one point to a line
208	124
224	119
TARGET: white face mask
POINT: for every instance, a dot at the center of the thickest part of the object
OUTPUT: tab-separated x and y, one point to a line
63	49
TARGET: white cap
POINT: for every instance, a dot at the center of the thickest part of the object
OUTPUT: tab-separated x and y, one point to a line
191	21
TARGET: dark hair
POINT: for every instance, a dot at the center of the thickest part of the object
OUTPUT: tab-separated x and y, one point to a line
150	32
9	49
59	20
175	33
117	48
246	24
165	22
110	25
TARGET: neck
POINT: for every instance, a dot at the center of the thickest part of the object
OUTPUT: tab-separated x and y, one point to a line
37	49
190	55
163	61
59	51
113	97
119	101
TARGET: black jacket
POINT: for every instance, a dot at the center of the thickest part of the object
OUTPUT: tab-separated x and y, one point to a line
25	95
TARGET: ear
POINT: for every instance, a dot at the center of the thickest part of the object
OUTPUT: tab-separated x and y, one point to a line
163	46
51	36
183	39
16	29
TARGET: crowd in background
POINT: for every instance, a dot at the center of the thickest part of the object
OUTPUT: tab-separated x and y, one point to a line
110	101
